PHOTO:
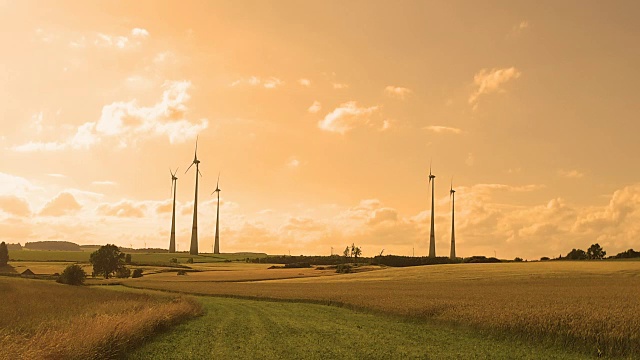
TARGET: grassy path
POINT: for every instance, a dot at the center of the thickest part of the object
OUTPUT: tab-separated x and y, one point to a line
247	329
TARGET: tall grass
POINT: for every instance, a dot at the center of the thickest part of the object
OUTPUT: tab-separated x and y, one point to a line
45	320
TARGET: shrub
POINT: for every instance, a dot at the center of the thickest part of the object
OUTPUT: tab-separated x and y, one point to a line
123	273
518	259
190	260
72	275
137	273
344	269
173	261
182	272
127	259
544	258
297	265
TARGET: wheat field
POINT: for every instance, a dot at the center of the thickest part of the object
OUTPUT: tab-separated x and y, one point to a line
80	322
587	306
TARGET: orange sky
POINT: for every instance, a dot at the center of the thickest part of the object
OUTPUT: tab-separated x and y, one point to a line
323	118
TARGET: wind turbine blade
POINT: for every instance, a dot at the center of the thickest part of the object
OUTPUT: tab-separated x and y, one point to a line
218	182
195	154
199	173
189	167
175	172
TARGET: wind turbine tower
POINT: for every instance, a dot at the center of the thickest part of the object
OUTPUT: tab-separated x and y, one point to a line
194	230
216	247
174	183
452	195
432	236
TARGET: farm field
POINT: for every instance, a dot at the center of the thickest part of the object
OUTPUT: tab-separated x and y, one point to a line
250	329
83	256
585	306
43	319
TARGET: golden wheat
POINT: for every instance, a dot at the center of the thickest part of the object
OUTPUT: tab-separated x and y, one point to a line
583	305
45	320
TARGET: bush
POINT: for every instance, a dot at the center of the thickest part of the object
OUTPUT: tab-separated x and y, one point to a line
123	273
127	259
182	272
344	269
173	261
518	259
72	275
137	273
190	260
297	265
544	258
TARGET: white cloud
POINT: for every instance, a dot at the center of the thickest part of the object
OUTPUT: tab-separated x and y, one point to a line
491	81
57	175
397	92
104	183
346	117
36	122
271	82
571	174
293	162
125	123
442	129
340	86
139	32
315	107
304	82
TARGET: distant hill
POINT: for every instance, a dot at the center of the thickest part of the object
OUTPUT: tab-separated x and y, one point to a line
14	247
52	246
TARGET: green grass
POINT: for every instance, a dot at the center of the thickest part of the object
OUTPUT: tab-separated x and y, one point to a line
249	329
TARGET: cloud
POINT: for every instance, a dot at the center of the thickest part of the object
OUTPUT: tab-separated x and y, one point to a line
106	183
14	205
57	175
315	107
340	86
304	82
271	82
346	117
471	159
139	32
491	81
519	28
293	163
16	185
442	129
397	92
124	208
63	204
117	41
571	174
122	124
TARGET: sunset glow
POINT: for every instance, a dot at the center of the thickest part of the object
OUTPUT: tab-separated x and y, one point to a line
323	118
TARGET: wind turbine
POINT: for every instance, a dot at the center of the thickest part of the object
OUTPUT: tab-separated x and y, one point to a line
452	195
194	230
432	236
216	247
174	183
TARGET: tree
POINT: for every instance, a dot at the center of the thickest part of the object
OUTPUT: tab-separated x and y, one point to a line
576	254
356	252
107	260
346	252
72	275
596	252
4	254
127	258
